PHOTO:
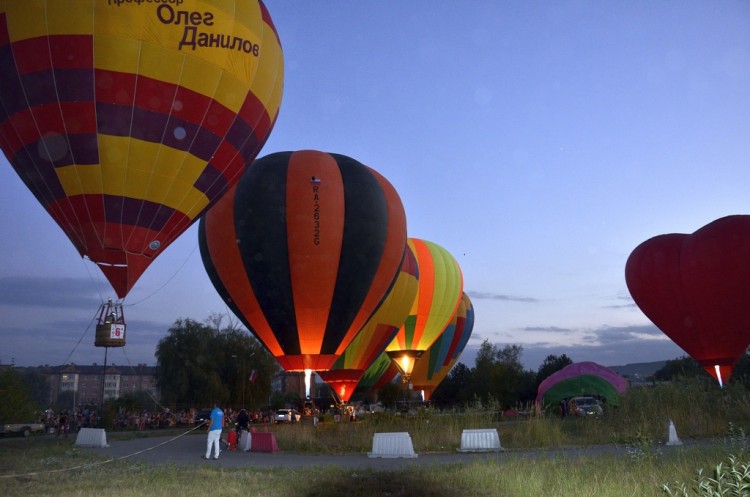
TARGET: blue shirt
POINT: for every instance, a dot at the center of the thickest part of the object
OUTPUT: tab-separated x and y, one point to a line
217	419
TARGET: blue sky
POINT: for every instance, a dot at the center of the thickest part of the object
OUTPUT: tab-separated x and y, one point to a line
539	142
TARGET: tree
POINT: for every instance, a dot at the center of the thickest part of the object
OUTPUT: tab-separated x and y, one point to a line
389	394
198	364
550	365
455	389
187	366
683	366
36	381
17	405
741	372
499	375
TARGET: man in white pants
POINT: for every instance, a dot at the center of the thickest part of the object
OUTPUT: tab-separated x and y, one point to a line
214	432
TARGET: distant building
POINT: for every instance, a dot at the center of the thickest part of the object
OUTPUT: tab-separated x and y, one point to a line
292	382
86	381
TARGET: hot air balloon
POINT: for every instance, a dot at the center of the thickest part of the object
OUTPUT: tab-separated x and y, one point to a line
443	354
438	296
127	120
379	331
303	250
381	372
581	378
696	288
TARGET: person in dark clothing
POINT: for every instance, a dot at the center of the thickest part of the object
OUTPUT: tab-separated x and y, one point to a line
243	422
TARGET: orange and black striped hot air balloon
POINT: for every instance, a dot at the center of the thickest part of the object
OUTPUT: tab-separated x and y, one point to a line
379	331
128	119
304	250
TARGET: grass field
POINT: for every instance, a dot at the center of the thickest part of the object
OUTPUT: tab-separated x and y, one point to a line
639	425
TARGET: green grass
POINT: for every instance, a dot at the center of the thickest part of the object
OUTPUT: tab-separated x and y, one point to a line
638	425
512	476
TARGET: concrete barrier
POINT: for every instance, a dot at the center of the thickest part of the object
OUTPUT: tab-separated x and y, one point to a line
480	441
263	442
92	437
392	445
246	441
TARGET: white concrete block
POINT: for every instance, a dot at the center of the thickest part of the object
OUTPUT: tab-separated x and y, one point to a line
246	441
480	441
392	445
92	437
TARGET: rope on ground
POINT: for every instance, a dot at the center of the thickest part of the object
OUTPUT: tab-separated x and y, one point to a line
101	463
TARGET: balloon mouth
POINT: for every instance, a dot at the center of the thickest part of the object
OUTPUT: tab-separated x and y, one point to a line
109	264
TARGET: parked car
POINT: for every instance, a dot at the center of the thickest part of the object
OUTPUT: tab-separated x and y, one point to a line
24	429
203	416
585	406
285	416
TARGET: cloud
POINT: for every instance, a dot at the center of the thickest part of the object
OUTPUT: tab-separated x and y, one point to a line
554	329
66	293
495	296
606	345
628	302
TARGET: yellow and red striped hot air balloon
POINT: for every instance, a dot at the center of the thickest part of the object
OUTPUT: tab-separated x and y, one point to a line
128	119
438	295
379	331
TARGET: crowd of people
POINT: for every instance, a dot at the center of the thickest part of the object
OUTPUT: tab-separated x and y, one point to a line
65	421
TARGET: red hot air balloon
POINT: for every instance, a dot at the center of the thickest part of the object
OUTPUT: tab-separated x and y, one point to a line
696	289
127	120
303	250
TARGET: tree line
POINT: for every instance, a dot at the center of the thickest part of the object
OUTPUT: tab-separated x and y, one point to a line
218	360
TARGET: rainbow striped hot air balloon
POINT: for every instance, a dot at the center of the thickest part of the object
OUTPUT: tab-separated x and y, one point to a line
381	372
438	296
377	333
127	120
436	363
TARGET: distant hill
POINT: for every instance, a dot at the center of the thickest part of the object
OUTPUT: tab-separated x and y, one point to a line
639	369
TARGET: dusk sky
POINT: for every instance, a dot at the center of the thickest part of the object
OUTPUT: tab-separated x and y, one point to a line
538	142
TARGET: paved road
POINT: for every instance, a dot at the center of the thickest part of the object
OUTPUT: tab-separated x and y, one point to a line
188	450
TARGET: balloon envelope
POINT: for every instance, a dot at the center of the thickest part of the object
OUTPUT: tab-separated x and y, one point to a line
694	288
381	372
437	362
438	295
379	331
581	378
303	250
122	129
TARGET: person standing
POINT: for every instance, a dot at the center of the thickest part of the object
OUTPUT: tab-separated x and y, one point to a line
215	425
